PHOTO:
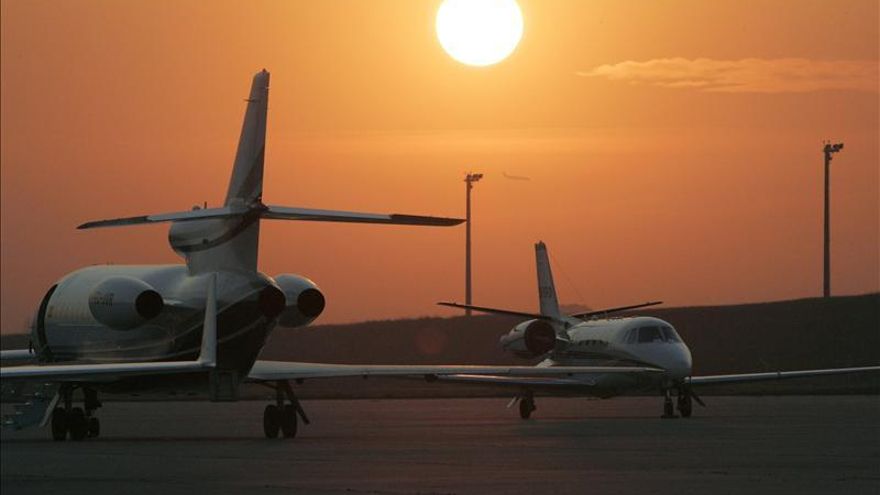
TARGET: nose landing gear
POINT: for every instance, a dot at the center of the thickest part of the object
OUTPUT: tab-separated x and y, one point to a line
685	403
668	410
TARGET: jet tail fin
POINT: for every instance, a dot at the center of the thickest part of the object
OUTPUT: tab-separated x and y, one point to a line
546	289
246	183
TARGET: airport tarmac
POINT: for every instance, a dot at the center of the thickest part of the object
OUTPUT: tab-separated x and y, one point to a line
802	445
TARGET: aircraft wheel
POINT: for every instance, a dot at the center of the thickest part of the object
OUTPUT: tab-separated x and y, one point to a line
59	424
94	427
288	421
526	407
271	423
685	405
668	409
78	424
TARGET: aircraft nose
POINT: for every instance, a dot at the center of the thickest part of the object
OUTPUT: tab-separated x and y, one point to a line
683	362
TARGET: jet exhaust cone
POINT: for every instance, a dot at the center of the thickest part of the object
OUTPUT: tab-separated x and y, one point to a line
272	302
149	304
310	302
540	337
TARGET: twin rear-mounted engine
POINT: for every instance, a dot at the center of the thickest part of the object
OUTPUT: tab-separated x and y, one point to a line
530	339
123	303
304	302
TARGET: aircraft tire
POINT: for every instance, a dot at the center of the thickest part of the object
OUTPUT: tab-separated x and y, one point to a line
59	424
94	427
78	424
271	423
526	407
288	421
685	406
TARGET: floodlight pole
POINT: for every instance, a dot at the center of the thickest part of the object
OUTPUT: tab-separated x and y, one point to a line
469	184
828	150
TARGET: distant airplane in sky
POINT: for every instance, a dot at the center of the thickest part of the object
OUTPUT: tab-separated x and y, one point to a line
514	177
593	339
196	326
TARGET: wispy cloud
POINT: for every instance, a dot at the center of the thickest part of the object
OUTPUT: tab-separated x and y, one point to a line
749	75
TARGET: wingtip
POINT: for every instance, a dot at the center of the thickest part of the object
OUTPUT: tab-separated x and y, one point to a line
426	221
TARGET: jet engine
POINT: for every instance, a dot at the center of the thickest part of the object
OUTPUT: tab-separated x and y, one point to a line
530	339
123	303
305	302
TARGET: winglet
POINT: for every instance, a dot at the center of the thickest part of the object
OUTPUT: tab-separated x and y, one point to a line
208	353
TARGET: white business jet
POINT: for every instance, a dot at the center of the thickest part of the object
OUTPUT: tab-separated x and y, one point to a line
594	340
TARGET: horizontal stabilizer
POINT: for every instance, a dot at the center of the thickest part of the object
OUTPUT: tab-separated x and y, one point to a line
177	216
496	311
277	213
600	312
310	214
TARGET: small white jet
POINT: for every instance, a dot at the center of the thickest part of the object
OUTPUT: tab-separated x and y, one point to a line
594	340
196	326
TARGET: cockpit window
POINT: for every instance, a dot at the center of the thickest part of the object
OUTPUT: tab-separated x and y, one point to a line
650	334
670	334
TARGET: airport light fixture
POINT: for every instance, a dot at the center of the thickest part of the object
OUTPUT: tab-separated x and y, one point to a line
828	150
469	182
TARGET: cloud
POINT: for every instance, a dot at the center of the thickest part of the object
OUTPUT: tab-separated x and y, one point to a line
749	75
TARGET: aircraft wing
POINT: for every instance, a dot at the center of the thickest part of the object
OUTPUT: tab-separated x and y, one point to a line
519	381
775	375
283	370
96	372
16	356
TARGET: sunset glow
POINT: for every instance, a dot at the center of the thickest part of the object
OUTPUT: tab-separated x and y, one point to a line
674	148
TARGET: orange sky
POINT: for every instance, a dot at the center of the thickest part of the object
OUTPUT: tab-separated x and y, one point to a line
673	147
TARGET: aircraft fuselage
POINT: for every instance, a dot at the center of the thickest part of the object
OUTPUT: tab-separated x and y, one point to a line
639	341
91	316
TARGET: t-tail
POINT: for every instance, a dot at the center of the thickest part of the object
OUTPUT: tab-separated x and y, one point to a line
227	237
547	300
233	243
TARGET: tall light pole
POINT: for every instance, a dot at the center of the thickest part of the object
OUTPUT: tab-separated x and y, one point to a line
829	150
469	183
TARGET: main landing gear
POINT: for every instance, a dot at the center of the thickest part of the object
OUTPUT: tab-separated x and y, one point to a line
527	405
281	417
78	423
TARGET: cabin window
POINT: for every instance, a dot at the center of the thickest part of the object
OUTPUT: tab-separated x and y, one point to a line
670	334
648	335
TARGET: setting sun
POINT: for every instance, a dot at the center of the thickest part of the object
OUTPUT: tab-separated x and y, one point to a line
479	32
